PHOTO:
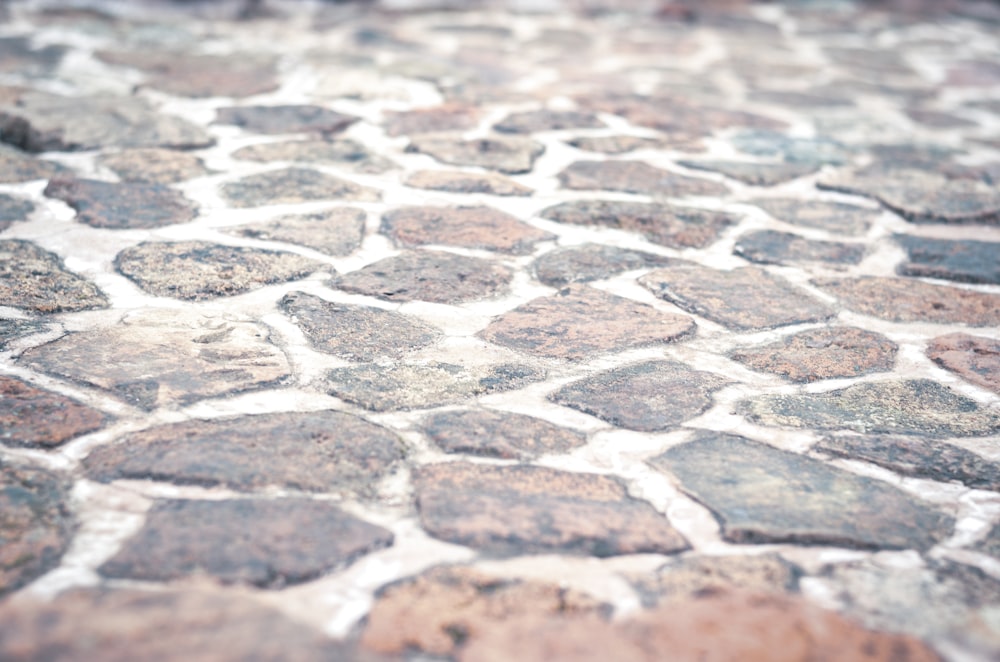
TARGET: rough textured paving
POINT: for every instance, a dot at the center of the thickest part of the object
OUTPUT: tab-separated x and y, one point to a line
500	330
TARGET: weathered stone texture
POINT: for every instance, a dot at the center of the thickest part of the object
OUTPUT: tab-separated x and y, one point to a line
285	119
699	575
755	174
636	177
122	206
831	216
190	75
508	155
337	231
973	358
466	227
343	153
457	181
17	167
292	186
35	417
772	247
35	279
963	261
13	209
547	120
154	166
499	434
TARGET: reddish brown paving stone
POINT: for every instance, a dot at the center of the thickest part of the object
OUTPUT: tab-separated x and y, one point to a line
457	181
438	610
825	353
669	225
589	262
267	543
35	417
35	279
511	156
964	261
831	216
13	209
17	166
755	174
649	397
453	117
35	524
356	333
467	227
127	205
284	119
772	247
498	434
198	270
337	231
908	300
340	152
321	451
973	358
154	165
433	276
547	120
525	509
580	321
636	177
746	298
293	186
233	75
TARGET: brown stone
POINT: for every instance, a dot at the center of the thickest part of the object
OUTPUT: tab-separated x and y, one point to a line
324	150
36	417
624	144
457	181
697	575
525	509
35	279
547	120
189	75
427	276
338	231
154	166
754	174
771	247
831	216
825	353
504	435
962	261
127	205
908	300
973	358
507	155
17	167
198	270
452	117
12	330
293	186
467	227
13	209
636	177
746	298
589	262
580	321
285	119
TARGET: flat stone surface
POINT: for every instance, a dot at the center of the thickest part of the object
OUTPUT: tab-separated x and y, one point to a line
35	524
591	262
156	358
457	181
754	174
466	227
636	177
821	215
773	247
624	144
761	494
293	186
13	329
916	456
991	543
438	610
427	276
524	509
649	397
449	117
13	209
320	451
341	152
356	333
35	417
122	206
503	435
17	166
963	261
580	321
338	231
199	76
973	358
826	353
153	165
669	225
17	55
35	279
285	119
401	386
547	120
198	270
913	406
908	300
746	298
505	154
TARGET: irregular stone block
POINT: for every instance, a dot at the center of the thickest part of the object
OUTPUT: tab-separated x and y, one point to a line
449	117
337	231
591	262
17	167
623	144
963	261
122	206
457	181
35	279
31	416
154	166
13	209
831	216
636	177
504	435
200	76
771	247
468	227
284	119
292	186
343	153
508	155
547	120
19	56
754	174
973	358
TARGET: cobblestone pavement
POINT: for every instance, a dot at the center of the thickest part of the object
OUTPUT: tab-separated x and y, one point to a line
348	333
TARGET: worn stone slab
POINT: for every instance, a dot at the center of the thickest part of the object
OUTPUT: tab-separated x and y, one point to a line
457	181
524	509
13	209
403	386
293	186
825	353
13	329
589	262
200	76
772	247
746	298
439	610
17	166
938	120
343	153
649	397
338	231
761	494
449	117
504	435
789	149
198	270
623	144
754	174
908	300
547	120
965	261
128	205
320	451
973	358
508	155
302	118
35	279
433	276
831	216
636	177
35	524
154	165
356	333
669	225
39	418
912	406
467	227
580	321
155	358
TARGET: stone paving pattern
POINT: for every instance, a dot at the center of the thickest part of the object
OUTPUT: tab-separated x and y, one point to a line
576	330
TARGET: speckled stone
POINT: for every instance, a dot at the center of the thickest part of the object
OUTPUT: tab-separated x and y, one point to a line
525	509
154	165
457	181
497	434
507	155
636	177
35	417
761	494
285	119
649	397
973	358
343	153
831	216
914	406
13	209
17	166
122	206
14	329
754	174
589	262
964	261
699	575
338	231
449	117
200	76
293	186
547	120
624	144
991	543
772	247
35	279
466	227
198	270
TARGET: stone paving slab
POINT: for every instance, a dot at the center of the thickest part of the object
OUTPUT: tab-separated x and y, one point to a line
435	330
